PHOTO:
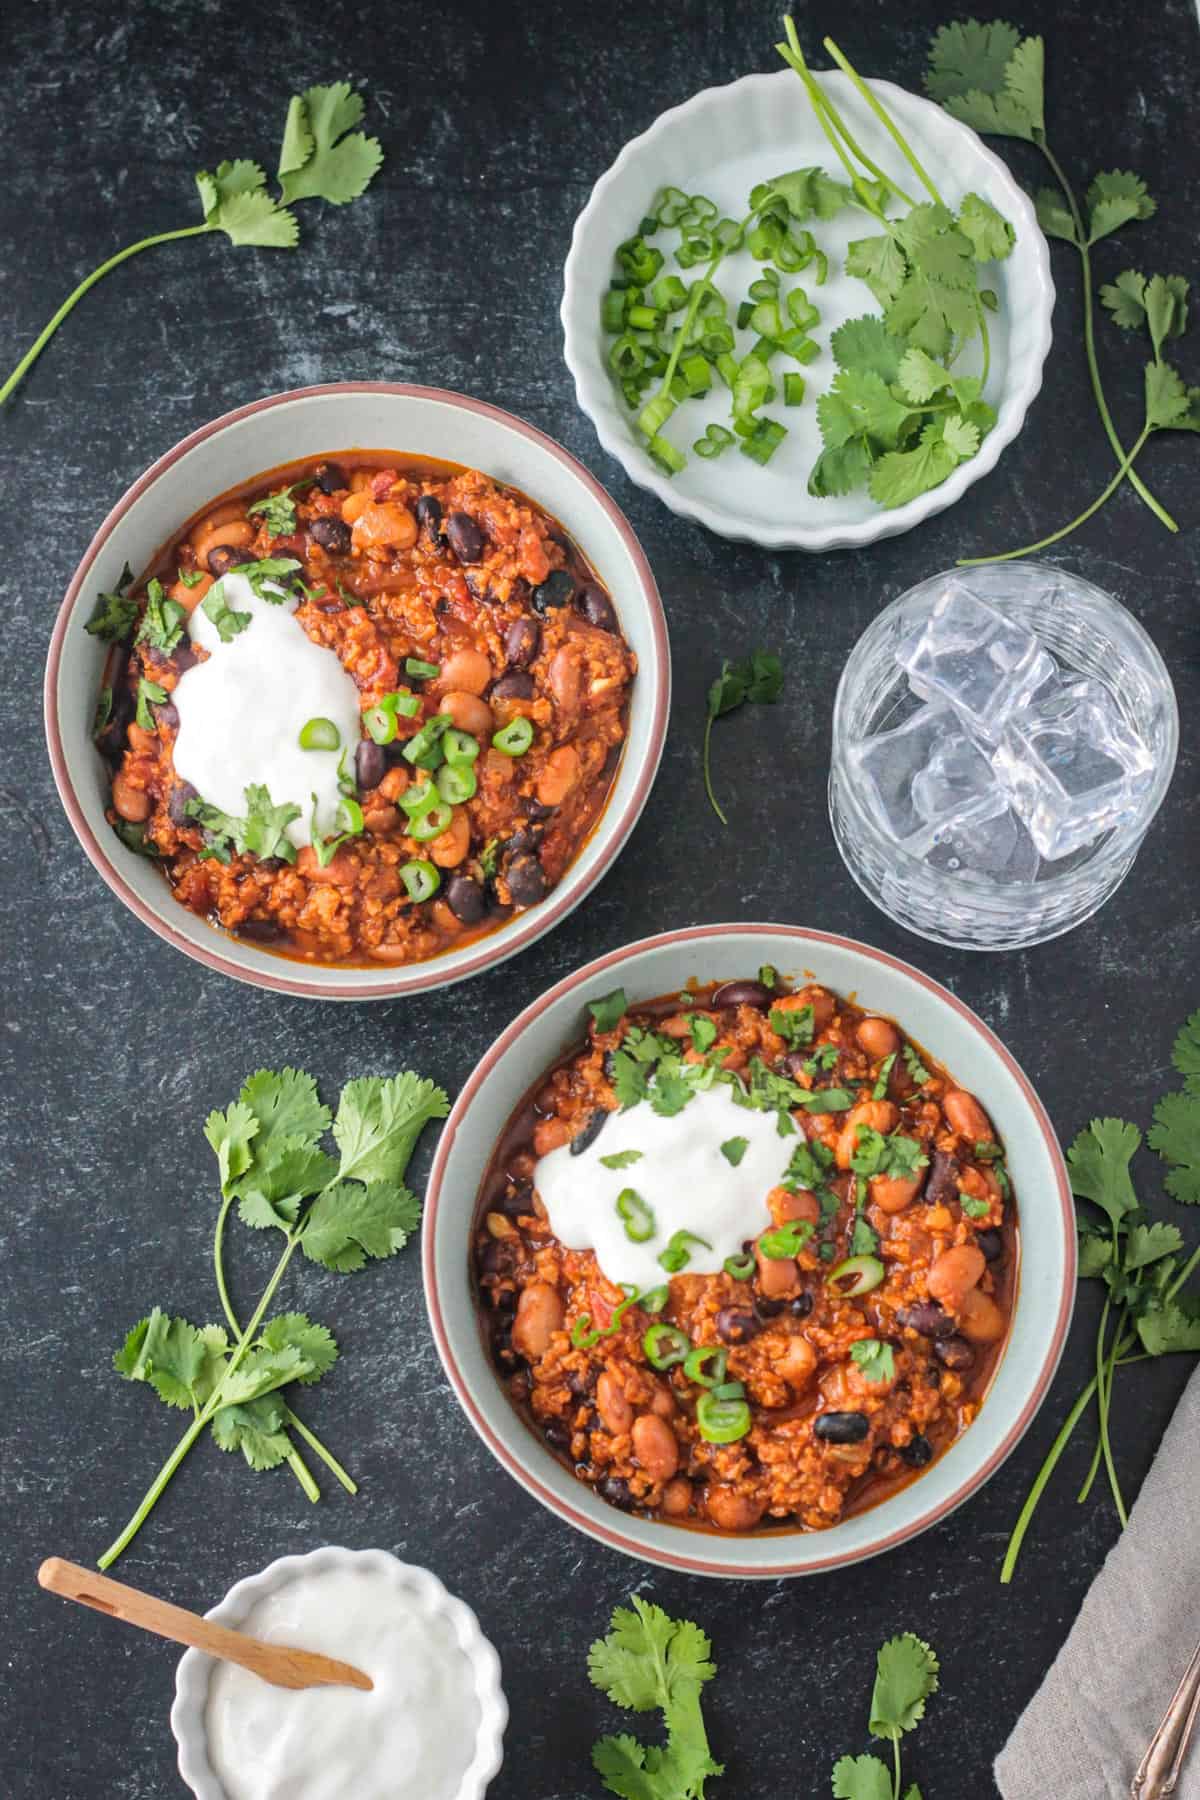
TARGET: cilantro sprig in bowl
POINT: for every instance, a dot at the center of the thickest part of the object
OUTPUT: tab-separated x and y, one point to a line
733	227
538	1040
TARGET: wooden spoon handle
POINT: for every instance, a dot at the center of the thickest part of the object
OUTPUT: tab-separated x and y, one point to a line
277	1663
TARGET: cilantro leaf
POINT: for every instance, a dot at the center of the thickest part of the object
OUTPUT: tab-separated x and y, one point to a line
1054	215
262	832
839	470
379	1121
703	1032
879	261
278	510
974	1209
1148	1244
989	77
227	619
1175	1134
758	679
608	1011
285	1104
916	1067
733	1150
652	1662
180	1363
283	1176
1170	1330
1115	198
903	475
1186	1053
804	193
230	1133
314	1343
321	158
349	1223
795	1025
235	201
1095	1254
148	693
867	344
256	1428
629	1079
970	55
260	1372
861	1778
907	1674
876	1360
1098	1162
114	615
990	234
622	1159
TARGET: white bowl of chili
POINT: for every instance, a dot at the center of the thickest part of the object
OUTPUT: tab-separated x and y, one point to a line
1040	1248
417	426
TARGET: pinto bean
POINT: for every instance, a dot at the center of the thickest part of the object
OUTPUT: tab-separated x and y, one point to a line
892	1193
550	1134
616	1413
777	1276
677	1497
878	1037
655	1446
822	1002
468	671
563	677
469	712
980	1320
539	1316
342	870
880	1115
798	1364
965	1116
559	775
133	803
451	848
233	535
954	1274
787	1205
731	1511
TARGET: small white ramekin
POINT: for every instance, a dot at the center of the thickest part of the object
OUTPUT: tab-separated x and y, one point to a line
195	1668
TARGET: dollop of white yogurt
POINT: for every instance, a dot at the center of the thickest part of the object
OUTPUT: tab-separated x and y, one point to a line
242	711
413	1737
681	1174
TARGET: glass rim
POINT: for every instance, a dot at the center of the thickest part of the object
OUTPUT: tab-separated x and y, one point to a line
1123	841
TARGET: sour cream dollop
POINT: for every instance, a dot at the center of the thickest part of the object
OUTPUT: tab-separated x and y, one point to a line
242	711
413	1737
683	1177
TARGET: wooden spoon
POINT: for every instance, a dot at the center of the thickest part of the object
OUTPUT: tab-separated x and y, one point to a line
277	1663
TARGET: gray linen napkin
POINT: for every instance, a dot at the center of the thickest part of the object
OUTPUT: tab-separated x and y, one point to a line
1086	1729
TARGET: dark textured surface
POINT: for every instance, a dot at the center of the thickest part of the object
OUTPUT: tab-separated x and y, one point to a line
496	121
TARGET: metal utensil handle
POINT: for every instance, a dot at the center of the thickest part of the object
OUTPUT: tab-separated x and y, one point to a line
1161	1766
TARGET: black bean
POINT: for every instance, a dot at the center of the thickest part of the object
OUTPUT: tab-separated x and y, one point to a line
942	1183
260	931
793	1064
183	657
495	1258
181	793
596	607
991	1243
526	881
616	1492
917	1452
332	535
466	537
524	839
167	713
516	686
465	899
370	765
502	1351
926	1318
734	1326
742	993
591	1131
518	1203
581	1382
223	557
609	1065
768	1309
954	1353
330	478
557	590
534	811
801	1306
429	513
557	1434
522	641
842	1427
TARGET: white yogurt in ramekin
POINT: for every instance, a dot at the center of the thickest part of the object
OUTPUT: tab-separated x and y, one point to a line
430	1729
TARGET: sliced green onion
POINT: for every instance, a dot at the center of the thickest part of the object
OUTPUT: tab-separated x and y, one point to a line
727	369
612	312
794	387
514	738
654	1299
857	1275
697	374
402	702
380	722
424	750
432	822
786	1240
644	318
460	746
665	1345
703	209
417	800
420	879
796	343
792	253
727	236
822	266
740	1267
648	226
764	286
765	319
801	311
638	1218
655	414
639	260
722	1421
745	313
668	294
351	811
677	1256
764	348
717	339
424	671
768	435
670	204
456	783
729	1390
626	356
696	1361
320	734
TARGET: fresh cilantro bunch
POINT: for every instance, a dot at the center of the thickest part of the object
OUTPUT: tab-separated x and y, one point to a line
906	1674
992	79
321	158
757	679
647	1663
340	1211
1140	1261
896	420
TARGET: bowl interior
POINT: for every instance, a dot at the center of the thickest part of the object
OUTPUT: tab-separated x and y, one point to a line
934	1018
721	144
259	437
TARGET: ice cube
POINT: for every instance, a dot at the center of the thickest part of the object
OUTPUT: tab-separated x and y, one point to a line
1073	766
998	847
969	656
924	778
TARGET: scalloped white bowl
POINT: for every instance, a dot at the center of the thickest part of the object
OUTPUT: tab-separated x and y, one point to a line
195	1668
720	143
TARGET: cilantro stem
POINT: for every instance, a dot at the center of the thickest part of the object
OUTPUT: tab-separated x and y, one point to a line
834	126
973	562
39	344
1102	1400
296	1462
708	786
885	119
1041	1482
896	1765
1089	338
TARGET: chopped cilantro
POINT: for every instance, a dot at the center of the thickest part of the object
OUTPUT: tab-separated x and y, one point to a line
163	620
733	1150
622	1159
114	615
608	1012
263	831
916	1068
794	1025
148	693
703	1030
974	1209
876	1360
